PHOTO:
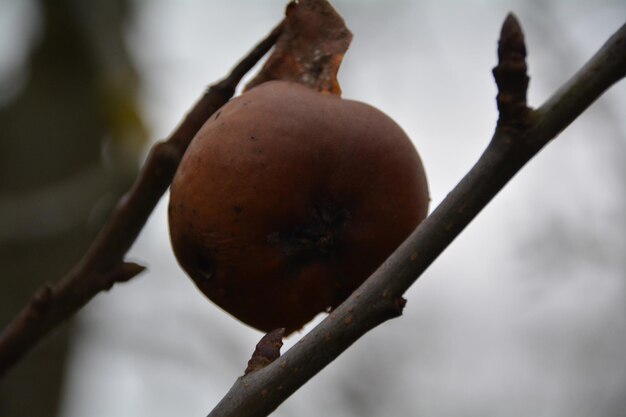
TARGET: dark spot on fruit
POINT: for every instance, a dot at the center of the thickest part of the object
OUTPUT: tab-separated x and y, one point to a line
318	238
204	266
254	138
273	238
217	115
237	209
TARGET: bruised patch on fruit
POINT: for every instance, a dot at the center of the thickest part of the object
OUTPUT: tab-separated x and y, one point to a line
317	238
278	236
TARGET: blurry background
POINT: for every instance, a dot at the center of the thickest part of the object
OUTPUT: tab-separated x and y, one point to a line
524	314
71	133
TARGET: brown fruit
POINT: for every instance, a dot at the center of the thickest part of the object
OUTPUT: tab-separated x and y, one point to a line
288	199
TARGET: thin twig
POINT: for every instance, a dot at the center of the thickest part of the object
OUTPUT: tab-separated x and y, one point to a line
103	265
379	298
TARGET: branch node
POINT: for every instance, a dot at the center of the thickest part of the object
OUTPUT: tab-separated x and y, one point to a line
266	351
129	270
41	301
399	304
165	157
121	273
224	89
511	78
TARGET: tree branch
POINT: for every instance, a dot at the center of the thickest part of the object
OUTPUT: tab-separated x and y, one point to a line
103	265
260	392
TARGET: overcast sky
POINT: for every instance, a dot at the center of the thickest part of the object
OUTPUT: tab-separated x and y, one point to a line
523	315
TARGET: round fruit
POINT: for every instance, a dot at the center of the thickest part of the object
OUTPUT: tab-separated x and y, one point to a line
288	199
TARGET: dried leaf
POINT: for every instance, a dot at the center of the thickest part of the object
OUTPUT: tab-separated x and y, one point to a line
266	351
310	49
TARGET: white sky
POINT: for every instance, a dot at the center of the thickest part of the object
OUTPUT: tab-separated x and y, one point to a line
523	315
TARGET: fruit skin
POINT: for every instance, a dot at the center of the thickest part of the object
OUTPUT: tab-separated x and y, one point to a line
287	200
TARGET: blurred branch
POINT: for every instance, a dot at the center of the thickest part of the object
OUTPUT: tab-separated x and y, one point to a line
103	265
519	135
